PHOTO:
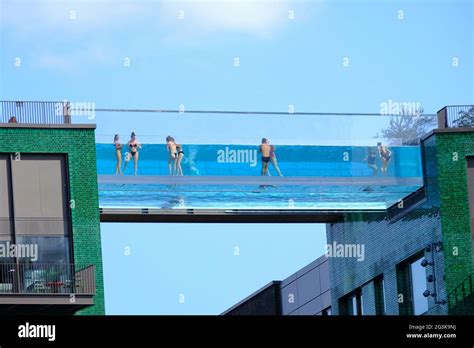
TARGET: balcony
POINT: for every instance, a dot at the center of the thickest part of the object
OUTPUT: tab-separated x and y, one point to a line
31	288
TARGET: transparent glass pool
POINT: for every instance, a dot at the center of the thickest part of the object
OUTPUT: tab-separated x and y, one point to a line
228	177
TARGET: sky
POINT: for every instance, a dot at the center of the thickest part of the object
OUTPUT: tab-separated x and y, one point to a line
310	56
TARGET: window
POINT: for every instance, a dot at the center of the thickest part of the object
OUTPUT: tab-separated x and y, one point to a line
411	282
326	311
418	282
379	292
352	304
34	208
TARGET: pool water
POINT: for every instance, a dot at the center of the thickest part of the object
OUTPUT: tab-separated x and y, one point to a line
362	191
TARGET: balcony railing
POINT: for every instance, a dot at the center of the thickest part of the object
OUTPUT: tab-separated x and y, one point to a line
456	116
31	112
39	278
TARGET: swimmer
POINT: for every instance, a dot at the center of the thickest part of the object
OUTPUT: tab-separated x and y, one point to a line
273	159
173	154
134	145
118	155
264	149
371	157
385	156
179	157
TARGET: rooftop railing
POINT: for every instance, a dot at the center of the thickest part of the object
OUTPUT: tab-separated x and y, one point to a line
456	116
33	112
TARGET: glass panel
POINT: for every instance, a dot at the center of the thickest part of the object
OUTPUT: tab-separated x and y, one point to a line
418	281
354	305
325	166
46	249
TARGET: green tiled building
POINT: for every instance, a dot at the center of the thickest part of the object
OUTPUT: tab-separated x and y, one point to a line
48	179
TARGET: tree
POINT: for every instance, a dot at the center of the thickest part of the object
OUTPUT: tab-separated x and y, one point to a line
466	119
407	127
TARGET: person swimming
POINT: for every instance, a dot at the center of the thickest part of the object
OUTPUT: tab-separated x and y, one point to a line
133	145
264	149
118	155
371	157
385	156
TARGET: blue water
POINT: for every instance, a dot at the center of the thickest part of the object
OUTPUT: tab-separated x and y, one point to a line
225	160
341	161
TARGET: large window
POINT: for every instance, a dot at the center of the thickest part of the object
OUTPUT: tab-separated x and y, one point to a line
411	279
418	282
34	207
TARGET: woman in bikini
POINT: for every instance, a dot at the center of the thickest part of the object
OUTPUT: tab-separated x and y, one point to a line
273	159
133	145
179	157
118	154
385	156
172	154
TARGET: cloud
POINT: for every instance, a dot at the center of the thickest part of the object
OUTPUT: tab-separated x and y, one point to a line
28	19
195	17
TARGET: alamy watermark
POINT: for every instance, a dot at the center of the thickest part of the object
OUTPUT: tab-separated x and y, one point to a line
29	251
346	250
391	107
228	155
66	108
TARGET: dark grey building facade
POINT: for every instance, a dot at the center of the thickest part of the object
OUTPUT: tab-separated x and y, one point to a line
306	292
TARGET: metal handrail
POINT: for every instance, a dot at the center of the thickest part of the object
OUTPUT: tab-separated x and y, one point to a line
46	278
26	112
456	116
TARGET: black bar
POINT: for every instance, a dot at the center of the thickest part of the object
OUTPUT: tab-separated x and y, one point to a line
137	330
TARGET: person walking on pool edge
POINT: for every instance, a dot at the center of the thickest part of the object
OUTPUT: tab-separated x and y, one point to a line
265	149
134	145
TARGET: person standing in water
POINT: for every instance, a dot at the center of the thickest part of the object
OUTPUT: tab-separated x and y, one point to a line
371	157
179	157
264	149
118	155
133	145
385	156
273	159
173	154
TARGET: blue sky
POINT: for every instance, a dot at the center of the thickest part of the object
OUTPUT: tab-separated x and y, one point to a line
124	54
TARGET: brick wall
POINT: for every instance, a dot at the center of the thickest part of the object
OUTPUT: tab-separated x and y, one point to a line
79	145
